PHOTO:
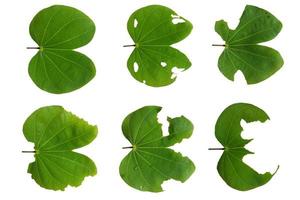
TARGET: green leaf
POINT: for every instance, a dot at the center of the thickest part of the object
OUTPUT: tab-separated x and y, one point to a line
57	30
153	29
242	51
231	167
55	133
151	162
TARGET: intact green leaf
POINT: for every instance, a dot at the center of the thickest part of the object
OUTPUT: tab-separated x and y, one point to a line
151	162
55	133
242	51
231	167
153	29
57	30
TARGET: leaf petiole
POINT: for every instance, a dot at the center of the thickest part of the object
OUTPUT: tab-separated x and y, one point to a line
28	151
130	45
32	47
127	147
218	45
221	148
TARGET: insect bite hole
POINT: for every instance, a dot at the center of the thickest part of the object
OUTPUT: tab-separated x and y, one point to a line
163	64
176	19
135	23
135	67
175	71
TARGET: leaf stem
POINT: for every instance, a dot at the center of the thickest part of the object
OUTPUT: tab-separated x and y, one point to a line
28	151
222	148
129	45
127	147
32	47
218	45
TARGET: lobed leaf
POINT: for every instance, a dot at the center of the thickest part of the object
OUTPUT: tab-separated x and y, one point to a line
242	51
57	30
151	162
153	29
55	133
231	167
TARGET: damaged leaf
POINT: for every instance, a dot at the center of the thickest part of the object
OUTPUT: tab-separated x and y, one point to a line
231	167
154	29
55	133
151	161
242	50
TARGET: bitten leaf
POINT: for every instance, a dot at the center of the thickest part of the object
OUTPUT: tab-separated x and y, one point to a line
242	51
231	167
151	161
153	29
55	133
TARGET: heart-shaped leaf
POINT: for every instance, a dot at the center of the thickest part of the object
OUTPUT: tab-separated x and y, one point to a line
55	133
151	162
56	68
242	51
153	29
231	167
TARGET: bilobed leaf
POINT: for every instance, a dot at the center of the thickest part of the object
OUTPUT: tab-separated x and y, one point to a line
55	133
57	68
231	167
151	161
153	29
242	51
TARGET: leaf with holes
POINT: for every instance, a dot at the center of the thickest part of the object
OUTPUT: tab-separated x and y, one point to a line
56	68
242	51
55	134
151	161
153	29
231	167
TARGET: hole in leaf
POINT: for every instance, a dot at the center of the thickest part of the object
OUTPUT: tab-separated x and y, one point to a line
177	19
176	71
135	23
163	64
135	67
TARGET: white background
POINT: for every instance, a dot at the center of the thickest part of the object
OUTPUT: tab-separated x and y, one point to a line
200	93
